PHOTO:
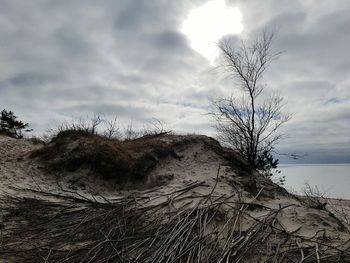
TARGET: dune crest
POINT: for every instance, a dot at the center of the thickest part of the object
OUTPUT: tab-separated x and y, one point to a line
165	198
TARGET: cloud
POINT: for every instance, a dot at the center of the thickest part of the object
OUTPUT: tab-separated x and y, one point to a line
62	59
311	73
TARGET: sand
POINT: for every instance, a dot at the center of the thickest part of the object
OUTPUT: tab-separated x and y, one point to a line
198	162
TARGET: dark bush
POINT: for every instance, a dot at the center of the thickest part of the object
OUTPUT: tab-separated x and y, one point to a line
266	163
71	134
107	158
10	126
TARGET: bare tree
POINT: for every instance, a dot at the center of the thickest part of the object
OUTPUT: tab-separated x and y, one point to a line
249	122
130	133
112	129
94	123
155	128
87	124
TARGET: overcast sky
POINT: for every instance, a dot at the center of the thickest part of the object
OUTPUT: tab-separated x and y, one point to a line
133	59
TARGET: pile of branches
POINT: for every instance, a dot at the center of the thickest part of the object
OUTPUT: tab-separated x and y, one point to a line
175	227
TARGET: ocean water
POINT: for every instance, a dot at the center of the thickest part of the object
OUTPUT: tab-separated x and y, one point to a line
332	180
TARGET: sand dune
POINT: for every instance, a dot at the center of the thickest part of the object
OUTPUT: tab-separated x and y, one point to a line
255	220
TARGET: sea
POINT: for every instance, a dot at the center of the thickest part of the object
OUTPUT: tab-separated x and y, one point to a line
329	180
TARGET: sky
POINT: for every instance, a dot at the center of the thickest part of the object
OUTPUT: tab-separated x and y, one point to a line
139	60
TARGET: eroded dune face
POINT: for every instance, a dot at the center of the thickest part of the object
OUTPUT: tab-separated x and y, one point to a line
175	199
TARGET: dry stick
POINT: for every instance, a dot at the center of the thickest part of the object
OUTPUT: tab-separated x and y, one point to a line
301	252
248	241
202	230
192	224
47	257
104	198
180	191
107	238
173	235
32	174
276	253
228	239
317	255
189	232
178	257
216	182
187	227
255	230
188	188
71	192
65	197
232	227
257	222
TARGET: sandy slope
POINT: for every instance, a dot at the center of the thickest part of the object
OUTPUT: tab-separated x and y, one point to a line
197	162
14	171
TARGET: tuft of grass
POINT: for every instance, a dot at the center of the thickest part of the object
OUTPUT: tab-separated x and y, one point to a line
108	158
313	197
75	147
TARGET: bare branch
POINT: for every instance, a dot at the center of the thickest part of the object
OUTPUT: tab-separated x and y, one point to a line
249	124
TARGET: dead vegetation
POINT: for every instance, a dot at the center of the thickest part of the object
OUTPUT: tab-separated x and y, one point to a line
138	228
209	219
313	198
125	162
107	158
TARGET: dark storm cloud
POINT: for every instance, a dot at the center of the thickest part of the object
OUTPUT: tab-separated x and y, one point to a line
63	59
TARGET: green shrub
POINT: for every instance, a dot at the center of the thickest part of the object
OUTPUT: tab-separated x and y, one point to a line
10	126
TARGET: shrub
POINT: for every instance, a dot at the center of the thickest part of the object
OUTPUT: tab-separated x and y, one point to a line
10	126
121	161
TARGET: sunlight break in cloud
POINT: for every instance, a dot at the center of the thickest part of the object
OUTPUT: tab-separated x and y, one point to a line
205	25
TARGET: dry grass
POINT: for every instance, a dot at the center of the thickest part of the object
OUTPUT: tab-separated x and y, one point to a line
134	228
107	158
125	162
189	224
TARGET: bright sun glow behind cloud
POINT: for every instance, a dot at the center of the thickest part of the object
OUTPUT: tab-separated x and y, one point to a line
205	25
